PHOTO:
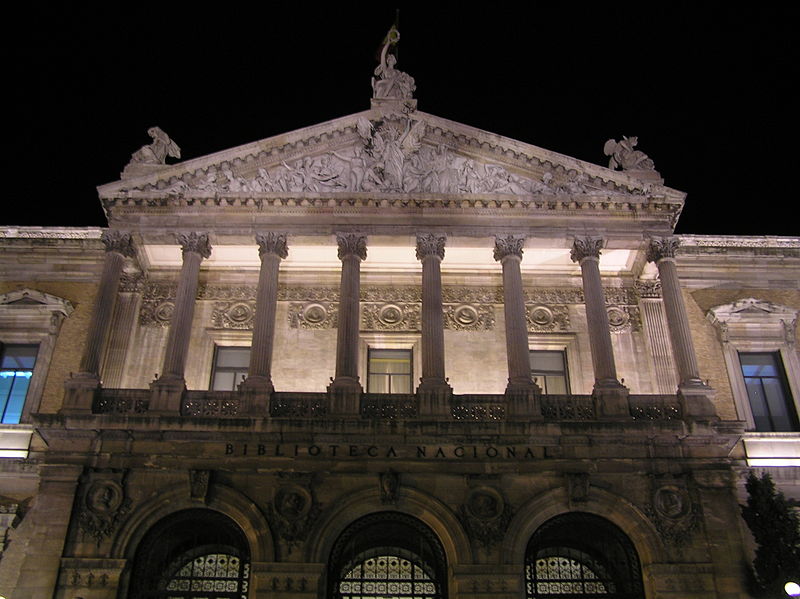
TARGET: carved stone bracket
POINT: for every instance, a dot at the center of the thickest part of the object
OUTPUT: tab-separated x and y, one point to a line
316	315
546	319
233	315
467	317
486	515
391	317
104	503
389	485
198	484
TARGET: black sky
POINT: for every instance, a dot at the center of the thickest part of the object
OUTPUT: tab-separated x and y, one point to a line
709	91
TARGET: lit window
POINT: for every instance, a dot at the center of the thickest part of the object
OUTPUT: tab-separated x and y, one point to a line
549	368
230	368
16	370
768	392
389	371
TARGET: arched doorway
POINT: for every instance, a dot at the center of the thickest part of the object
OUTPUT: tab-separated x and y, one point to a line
581	555
190	552
387	554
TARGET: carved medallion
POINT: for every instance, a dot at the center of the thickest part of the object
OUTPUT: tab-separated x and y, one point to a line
469	317
623	318
391	317
293	511
313	315
544	319
672	510
233	315
104	504
486	515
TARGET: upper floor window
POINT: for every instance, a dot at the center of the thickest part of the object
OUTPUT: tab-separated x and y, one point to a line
770	400
230	367
389	371
549	368
16	369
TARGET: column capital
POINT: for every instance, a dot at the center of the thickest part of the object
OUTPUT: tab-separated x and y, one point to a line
429	244
118	241
662	247
352	244
586	247
194	242
272	243
510	245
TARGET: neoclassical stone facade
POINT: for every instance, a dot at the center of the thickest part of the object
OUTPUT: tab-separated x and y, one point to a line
390	355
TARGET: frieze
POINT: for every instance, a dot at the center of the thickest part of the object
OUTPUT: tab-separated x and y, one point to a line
324	315
546	319
486	515
391	317
104	503
233	315
467	317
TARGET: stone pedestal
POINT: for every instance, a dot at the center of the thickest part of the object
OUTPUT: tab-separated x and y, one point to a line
258	387
433	391
345	389
168	389
696	397
522	393
610	395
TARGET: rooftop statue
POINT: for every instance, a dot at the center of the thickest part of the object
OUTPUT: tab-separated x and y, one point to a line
388	81
156	152
623	155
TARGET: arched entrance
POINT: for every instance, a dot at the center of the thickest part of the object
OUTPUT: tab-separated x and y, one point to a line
387	554
190	552
581	555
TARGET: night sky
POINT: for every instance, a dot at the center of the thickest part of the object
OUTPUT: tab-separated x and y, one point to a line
708	91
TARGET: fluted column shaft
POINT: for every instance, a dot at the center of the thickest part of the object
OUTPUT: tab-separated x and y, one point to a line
272	248
430	251
195	247
662	252
508	251
118	246
352	250
586	252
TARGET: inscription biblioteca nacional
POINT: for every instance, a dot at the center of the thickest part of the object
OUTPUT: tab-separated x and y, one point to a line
325	450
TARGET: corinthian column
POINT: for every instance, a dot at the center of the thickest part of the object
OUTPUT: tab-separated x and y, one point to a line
508	251
171	383
118	247
352	250
430	251
661	250
271	249
80	389
586	252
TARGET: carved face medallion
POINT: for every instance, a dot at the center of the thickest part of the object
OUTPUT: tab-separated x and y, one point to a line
314	313
484	503
541	316
240	312
104	497
390	314
466	315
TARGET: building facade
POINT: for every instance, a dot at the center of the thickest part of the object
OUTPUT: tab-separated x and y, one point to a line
390	355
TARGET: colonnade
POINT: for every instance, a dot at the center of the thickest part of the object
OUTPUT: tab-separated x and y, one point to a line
430	250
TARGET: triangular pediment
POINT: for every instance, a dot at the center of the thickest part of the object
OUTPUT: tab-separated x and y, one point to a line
381	153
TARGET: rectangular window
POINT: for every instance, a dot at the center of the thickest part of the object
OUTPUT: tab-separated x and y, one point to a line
549	368
230	367
389	371
770	400
16	368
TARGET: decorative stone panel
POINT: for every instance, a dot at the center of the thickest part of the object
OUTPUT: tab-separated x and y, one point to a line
485	514
624	318
391	317
467	317
233	315
104	503
323	315
546	319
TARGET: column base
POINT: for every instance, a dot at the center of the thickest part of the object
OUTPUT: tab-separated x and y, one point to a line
256	392
344	395
433	397
79	393
166	394
523	400
697	401
611	399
